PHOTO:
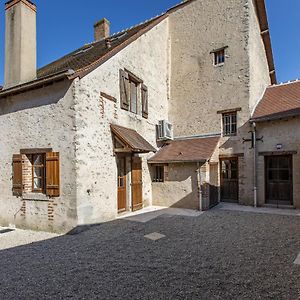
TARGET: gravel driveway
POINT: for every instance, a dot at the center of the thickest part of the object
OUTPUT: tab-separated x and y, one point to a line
218	255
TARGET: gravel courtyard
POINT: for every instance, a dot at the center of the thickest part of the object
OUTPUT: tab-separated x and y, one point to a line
217	255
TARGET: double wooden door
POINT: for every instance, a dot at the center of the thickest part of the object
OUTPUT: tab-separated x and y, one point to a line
229	180
136	184
279	183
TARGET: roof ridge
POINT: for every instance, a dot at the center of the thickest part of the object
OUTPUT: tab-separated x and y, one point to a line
135	26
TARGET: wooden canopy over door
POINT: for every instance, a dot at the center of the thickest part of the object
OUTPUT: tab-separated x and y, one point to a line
229	180
136	184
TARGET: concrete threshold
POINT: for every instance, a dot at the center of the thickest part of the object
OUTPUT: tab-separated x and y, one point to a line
262	210
151	212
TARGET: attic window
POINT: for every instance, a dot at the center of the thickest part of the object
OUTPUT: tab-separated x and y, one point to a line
219	56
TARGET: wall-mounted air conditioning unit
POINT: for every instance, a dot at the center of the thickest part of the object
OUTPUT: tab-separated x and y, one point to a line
164	131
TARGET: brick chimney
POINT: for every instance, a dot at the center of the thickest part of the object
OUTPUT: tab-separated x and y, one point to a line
20	42
101	30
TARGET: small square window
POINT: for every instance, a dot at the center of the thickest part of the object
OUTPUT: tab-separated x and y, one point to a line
219	57
159	175
229	123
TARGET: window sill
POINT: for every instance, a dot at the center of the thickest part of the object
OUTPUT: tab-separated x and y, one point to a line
219	65
35	197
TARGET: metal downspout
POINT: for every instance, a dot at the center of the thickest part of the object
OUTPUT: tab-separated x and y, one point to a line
254	164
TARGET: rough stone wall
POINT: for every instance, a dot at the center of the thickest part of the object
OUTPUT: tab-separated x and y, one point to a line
42	118
180	188
279	132
198	88
147	58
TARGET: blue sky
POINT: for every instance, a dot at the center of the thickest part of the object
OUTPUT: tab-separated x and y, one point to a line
64	25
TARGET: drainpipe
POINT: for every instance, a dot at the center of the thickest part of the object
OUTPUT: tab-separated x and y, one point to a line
199	186
254	164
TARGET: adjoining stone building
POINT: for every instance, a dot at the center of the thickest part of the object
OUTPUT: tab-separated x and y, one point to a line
80	134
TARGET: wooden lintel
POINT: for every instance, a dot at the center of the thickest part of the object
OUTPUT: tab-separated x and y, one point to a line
224	111
274	153
108	97
228	156
122	150
35	150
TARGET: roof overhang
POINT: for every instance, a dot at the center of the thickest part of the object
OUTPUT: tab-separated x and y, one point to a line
278	116
35	84
157	162
195	150
265	34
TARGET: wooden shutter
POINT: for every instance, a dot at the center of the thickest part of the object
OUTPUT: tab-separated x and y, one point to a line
17	175
52	174
144	101
124	90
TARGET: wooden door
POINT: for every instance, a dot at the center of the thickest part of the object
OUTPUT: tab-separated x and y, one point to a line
136	184
213	185
279	179
122	192
229	180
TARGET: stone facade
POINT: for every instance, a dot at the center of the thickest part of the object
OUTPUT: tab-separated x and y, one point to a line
175	60
42	118
281	133
148	59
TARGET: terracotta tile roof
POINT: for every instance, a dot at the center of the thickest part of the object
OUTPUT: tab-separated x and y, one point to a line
83	59
132	139
279	101
89	54
188	150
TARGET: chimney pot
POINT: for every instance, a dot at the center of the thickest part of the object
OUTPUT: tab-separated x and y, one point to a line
101	30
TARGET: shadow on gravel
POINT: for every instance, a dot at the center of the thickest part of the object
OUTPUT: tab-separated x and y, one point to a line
6	231
219	255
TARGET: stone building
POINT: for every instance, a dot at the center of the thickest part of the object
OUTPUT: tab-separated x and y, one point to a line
154	115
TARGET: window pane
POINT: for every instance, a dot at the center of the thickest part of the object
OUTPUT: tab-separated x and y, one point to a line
284	175
133	96
37	172
37	183
38	160
283	162
272	175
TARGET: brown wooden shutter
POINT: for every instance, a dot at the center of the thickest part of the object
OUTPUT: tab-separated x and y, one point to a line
124	90
52	174
17	175
144	101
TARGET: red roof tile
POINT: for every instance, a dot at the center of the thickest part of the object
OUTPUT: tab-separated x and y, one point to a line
188	150
279	101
